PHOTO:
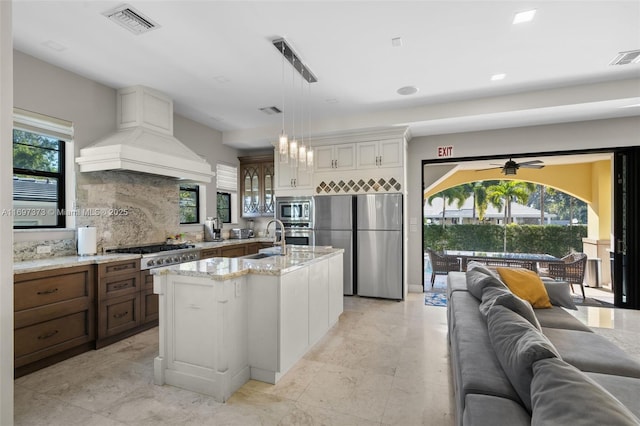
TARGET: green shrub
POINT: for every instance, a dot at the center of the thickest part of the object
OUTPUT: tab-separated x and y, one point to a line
552	239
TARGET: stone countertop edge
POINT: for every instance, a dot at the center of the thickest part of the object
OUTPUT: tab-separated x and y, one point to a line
223	268
56	262
49	263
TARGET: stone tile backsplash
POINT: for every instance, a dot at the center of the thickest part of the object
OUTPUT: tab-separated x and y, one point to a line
126	208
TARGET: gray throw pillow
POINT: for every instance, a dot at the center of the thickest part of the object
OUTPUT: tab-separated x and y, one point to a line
559	294
497	296
560	394
518	345
477	281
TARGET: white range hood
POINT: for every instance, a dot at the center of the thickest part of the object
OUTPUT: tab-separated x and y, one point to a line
144	141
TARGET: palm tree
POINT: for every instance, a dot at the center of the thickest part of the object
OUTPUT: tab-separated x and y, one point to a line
505	192
480	197
449	195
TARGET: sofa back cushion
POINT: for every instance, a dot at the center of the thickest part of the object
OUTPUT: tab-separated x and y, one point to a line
563	395
518	345
492	296
477	281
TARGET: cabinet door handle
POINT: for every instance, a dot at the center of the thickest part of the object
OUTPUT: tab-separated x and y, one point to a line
50	291
125	313
120	268
47	335
119	286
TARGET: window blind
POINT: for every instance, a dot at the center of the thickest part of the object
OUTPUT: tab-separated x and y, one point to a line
227	178
43	124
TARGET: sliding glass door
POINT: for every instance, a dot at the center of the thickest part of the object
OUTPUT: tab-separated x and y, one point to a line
626	233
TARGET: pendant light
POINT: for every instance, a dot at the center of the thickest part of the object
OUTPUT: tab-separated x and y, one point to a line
283	141
293	143
302	149
309	148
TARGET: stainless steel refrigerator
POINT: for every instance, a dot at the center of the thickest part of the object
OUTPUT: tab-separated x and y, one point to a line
333	225
379	245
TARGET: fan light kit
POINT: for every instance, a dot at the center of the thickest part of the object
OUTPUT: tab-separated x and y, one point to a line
510	168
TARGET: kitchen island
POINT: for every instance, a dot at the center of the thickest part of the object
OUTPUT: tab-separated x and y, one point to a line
224	321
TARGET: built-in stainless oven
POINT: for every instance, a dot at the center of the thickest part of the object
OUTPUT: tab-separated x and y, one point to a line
296	214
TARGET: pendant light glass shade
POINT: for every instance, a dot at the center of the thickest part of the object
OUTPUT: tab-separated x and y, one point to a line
293	152
310	159
283	148
302	157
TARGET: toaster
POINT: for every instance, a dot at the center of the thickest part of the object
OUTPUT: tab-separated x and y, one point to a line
240	233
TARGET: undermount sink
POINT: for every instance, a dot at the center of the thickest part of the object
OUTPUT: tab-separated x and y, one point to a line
259	255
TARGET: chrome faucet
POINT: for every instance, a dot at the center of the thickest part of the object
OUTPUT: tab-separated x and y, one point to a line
282	243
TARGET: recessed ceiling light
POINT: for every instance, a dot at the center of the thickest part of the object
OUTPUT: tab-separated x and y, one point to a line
407	90
331	101
625	58
396	42
497	77
525	16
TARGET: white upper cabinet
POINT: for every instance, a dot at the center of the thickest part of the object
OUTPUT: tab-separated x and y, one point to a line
385	153
335	157
289	178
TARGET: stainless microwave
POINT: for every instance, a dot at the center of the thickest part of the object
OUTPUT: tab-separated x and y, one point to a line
294	210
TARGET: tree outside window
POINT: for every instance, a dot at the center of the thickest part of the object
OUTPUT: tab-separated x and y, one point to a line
38	181
189	204
224	207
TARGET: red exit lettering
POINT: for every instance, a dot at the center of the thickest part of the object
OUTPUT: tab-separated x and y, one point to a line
445	151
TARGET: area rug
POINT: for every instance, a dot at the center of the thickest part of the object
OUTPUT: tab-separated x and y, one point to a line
590	301
435	298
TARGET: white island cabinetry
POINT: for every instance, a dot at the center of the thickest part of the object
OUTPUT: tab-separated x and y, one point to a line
225	320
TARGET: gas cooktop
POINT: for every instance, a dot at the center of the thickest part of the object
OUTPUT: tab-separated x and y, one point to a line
153	248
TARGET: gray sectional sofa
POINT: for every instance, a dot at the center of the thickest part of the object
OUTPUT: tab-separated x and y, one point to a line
515	365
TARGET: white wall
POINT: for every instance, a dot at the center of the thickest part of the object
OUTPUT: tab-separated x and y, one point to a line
595	134
6	222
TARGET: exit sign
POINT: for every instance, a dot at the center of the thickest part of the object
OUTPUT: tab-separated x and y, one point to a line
445	151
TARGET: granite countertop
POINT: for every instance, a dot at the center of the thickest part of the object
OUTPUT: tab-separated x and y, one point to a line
223	268
57	262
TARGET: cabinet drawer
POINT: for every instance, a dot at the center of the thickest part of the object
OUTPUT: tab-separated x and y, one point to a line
57	332
119	314
207	253
42	288
120	267
233	251
118	286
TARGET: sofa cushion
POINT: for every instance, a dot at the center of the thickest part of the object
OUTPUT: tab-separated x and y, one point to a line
503	296
560	394
518	344
557	317
526	284
624	389
485	410
477	281
559	293
592	352
456	281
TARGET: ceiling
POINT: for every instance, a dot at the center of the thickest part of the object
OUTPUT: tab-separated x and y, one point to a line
216	60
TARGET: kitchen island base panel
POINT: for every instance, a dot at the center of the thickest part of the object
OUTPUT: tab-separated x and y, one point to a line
219	385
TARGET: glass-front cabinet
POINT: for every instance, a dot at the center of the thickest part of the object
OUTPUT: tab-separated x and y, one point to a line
257	190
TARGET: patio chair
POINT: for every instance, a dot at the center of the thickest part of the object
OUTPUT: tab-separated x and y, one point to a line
571	269
441	264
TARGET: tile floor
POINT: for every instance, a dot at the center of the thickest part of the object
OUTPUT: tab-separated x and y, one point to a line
384	363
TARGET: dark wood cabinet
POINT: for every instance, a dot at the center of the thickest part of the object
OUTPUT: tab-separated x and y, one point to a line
233	251
257	186
54	316
125	301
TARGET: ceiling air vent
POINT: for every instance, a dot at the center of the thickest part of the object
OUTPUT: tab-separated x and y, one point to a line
131	19
271	110
628	57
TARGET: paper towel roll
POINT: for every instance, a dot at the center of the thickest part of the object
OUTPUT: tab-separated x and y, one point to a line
87	241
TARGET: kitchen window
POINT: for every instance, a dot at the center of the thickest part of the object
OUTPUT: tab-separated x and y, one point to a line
39	146
189	204
227	192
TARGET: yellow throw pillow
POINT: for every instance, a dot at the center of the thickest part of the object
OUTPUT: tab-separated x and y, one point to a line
527	285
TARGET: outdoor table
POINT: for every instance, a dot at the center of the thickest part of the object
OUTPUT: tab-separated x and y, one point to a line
528	260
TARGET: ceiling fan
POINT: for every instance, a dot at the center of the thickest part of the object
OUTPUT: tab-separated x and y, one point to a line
511	167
